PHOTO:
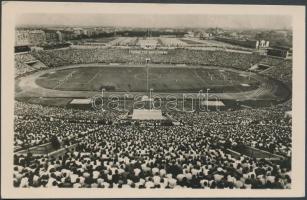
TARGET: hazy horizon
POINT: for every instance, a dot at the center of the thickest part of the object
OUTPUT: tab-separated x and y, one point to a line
157	21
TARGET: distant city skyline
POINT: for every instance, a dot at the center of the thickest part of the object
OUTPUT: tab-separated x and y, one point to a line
157	21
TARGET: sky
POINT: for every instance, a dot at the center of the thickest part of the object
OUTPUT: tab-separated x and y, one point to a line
157	21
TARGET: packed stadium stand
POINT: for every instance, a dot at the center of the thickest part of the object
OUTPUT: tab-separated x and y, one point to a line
104	151
280	69
26	62
76	56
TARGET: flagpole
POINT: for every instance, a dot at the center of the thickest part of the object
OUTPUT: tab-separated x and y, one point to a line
147	85
147	76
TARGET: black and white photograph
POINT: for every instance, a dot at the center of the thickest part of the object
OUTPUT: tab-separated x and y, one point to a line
155	101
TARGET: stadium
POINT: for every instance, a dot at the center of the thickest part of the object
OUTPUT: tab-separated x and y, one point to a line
159	113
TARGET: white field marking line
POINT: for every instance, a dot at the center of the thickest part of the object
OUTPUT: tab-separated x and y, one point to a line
199	77
61	82
203	80
92	78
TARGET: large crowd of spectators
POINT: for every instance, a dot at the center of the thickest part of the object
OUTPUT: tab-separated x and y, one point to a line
177	56
194	154
25	109
147	157
20	63
265	129
29	131
26	63
35	124
280	69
